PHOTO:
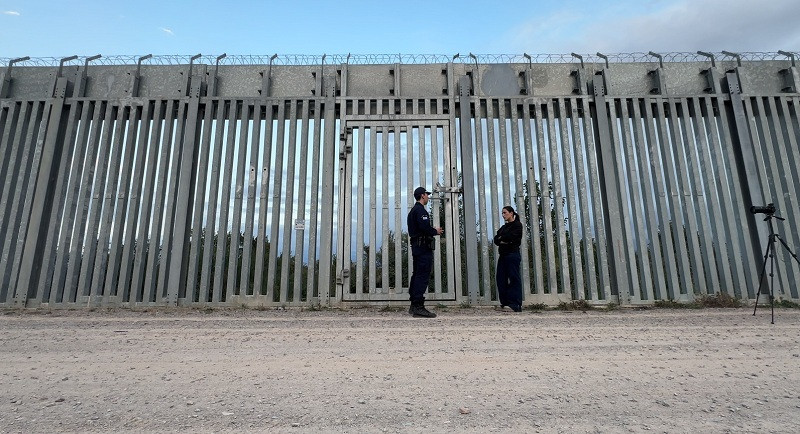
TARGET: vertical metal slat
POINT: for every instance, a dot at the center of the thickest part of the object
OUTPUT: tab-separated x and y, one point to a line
155	252
111	184
199	232
10	192
544	184
65	239
713	211
662	194
624	239
654	263
725	189
123	206
537	268
746	176
359	214
397	190
683	188
182	156
435	208
8	125
779	191
241	145
221	267
492	207
43	126
571	214
208	270
86	287
643	289
695	198
505	170
373	214
252	173
485	232
134	203
311	281
583	196
591	153
329	166
288	207
54	222
518	149
139	294
263	201
275	202
300	243
385	192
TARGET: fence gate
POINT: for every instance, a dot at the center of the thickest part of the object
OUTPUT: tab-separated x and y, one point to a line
384	161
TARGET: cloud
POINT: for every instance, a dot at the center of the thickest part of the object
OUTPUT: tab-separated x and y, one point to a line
711	25
14	13
538	34
665	26
167	31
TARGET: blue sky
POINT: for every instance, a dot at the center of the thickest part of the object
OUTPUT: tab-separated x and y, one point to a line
49	28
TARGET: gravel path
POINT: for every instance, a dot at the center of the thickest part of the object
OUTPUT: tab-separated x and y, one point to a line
367	370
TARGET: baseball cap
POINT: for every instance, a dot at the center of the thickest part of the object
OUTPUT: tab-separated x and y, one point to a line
419	192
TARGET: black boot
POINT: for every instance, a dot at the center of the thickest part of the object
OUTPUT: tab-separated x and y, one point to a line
419	311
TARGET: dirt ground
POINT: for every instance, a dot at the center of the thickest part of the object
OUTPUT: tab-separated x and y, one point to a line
368	370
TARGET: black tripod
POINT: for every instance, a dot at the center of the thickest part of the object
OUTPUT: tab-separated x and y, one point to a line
770	252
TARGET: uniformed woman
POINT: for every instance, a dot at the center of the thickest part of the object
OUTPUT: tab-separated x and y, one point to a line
509	280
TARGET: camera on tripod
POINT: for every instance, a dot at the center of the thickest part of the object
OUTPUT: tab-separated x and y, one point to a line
768	210
769	256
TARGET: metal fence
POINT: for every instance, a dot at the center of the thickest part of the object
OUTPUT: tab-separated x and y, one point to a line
285	183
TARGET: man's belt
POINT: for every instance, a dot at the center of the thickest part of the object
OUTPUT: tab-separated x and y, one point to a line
424	241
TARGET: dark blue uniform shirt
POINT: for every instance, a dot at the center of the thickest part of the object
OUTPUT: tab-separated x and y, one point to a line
419	222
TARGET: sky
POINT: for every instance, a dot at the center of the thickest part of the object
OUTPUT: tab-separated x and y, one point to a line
58	28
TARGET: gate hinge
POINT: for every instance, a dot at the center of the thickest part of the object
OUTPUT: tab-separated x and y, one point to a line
343	135
348	149
344	275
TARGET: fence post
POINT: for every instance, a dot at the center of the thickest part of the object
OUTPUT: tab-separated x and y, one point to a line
744	153
329	169
184	198
468	177
610	186
43	170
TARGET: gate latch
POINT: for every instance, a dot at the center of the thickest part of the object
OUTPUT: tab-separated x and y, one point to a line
439	188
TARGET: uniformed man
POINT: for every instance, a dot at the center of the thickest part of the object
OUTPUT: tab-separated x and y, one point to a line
421	233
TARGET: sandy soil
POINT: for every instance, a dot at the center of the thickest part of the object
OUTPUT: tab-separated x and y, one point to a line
365	370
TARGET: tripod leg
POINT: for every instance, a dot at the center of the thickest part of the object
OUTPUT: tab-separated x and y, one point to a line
772	281
786	246
761	275
788	249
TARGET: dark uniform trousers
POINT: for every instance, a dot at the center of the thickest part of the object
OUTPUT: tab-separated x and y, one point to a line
509	281
421	274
